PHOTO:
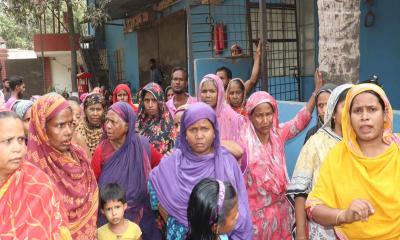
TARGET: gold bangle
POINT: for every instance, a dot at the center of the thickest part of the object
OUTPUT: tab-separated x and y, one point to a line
338	215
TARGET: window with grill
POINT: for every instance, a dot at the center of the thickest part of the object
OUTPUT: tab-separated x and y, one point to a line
119	65
283	56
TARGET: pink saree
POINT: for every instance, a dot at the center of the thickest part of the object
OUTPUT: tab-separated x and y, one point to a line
266	176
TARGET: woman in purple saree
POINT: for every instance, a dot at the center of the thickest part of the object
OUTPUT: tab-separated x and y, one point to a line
172	181
129	166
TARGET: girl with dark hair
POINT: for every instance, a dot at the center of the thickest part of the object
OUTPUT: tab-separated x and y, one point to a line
212	211
169	93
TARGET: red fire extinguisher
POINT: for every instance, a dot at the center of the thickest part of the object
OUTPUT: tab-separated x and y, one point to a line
221	36
217	48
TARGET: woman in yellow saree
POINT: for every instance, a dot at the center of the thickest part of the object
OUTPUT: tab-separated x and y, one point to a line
358	186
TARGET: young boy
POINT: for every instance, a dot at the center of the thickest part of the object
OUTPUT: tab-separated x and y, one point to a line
113	205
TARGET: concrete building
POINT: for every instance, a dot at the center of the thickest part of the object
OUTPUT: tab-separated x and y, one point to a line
57	60
128	42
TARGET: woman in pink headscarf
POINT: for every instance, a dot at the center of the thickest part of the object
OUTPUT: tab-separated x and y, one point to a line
266	177
211	91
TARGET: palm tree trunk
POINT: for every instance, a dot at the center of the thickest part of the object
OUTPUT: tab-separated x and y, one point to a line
339	31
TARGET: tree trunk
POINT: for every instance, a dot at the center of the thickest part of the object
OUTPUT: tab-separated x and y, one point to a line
42	55
71	32
339	31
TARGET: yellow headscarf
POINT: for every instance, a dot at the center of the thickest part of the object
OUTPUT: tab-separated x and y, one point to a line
347	174
349	135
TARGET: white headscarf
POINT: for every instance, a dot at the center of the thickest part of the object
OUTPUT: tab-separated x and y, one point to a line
330	108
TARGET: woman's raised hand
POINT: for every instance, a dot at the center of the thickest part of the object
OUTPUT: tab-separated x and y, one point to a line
318	80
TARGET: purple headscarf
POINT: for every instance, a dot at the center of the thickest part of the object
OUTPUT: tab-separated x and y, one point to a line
129	166
175	177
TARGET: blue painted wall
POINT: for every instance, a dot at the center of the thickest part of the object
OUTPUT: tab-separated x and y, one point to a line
287	110
380	47
240	67
306	87
115	39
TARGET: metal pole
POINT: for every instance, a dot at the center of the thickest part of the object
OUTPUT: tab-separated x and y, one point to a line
249	30
298	74
263	36
190	63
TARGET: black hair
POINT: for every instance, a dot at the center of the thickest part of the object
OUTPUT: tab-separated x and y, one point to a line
9	114
166	92
152	60
227	71
111	192
202	210
74	99
107	96
65	95
380	100
374	80
180	69
341	98
3	84
15	81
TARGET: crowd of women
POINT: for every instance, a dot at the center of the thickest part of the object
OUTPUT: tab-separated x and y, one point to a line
207	168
